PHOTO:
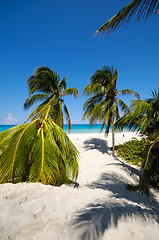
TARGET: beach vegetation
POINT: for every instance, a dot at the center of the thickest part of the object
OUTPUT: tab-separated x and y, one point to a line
144	118
133	151
103	105
39	151
140	9
45	86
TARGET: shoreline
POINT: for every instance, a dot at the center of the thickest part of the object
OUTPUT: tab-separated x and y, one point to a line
120	137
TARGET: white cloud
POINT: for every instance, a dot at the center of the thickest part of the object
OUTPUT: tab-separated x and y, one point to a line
11	119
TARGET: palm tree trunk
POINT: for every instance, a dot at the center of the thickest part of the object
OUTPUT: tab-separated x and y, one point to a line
113	136
113	141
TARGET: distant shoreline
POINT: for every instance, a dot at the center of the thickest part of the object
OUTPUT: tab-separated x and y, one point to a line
76	129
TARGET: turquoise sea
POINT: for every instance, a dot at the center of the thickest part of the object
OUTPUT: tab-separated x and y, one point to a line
76	128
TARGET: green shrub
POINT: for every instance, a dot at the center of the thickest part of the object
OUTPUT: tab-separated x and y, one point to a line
133	151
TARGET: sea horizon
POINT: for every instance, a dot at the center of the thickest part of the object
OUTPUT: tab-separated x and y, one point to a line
76	128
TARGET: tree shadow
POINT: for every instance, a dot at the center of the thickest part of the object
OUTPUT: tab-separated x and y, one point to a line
98	144
95	219
135	172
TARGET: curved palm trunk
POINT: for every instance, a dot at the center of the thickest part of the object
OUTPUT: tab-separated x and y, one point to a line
113	135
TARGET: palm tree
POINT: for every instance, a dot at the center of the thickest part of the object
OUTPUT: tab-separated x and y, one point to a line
104	105
39	151
142	9
144	118
45	85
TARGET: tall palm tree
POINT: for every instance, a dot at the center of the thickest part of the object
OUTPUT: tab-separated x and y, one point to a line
144	118
45	85
104	105
141	9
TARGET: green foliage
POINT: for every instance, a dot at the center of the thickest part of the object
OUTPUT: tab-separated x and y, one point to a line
39	151
144	118
145	154
133	151
45	86
104	105
141	9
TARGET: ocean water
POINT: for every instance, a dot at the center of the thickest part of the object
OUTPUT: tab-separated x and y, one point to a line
5	127
83	128
76	128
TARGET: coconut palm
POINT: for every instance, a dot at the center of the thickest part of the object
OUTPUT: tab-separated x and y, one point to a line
144	118
104	105
39	151
45	85
141	9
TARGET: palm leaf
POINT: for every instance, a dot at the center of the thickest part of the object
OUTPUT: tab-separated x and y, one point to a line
67	117
138	106
33	99
43	80
41	110
93	88
38	152
142	9
5	134
62	84
13	167
129	92
69	91
92	101
125	109
117	114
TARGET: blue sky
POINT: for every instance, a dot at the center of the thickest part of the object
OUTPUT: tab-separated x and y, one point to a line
59	34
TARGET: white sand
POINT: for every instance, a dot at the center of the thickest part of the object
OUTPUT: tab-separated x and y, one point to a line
100	207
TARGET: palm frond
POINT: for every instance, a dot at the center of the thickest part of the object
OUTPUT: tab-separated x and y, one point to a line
67	117
127	121
138	106
105	76
142	9
34	99
100	112
117	114
62	84
91	106
38	151
41	110
93	88
124	107
15	152
43	80
157	12
92	101
129	92
69	91
5	134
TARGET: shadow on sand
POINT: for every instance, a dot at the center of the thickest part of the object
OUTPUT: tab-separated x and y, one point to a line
95	219
98	144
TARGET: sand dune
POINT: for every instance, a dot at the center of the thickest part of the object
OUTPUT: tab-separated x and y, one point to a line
97	207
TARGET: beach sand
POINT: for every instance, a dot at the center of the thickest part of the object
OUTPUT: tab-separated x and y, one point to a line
97	207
